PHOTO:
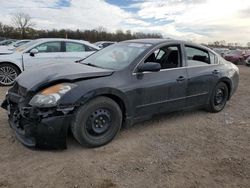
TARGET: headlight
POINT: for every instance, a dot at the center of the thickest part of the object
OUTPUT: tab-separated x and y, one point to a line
51	95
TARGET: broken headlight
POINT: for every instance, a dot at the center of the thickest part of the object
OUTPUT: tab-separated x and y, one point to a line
51	95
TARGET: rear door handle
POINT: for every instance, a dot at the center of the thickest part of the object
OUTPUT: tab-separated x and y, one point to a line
216	72
180	79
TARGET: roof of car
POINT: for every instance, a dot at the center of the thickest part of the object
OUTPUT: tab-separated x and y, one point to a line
151	40
59	39
23	40
156	41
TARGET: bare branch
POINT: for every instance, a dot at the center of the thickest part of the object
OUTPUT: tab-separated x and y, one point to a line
22	21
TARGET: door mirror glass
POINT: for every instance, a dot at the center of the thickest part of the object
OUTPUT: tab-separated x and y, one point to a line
33	52
150	67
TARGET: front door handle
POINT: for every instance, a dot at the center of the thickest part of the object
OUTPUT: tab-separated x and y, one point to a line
180	79
216	72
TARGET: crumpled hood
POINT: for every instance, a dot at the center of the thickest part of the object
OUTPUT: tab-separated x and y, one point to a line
43	75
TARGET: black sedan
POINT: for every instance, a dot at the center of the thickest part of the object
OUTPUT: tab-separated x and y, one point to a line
126	82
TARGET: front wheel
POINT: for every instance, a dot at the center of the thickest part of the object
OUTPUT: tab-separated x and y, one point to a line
218	98
8	74
97	122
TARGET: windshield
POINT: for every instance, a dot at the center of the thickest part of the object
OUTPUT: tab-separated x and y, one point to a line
24	46
116	56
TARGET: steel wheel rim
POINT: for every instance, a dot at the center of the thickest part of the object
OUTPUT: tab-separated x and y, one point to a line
7	75
219	97
99	122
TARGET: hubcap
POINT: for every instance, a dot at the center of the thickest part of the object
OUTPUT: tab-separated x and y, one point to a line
7	75
219	96
99	122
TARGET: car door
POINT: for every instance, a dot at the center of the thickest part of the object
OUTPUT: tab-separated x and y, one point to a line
74	51
161	91
48	52
203	74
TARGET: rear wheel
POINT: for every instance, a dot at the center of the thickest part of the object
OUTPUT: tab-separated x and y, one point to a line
8	74
218	98
97	122
248	63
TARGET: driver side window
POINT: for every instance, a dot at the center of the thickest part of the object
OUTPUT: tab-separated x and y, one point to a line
49	47
167	56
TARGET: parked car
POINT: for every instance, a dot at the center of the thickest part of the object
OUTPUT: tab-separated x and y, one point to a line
221	51
246	54
248	61
16	44
41	51
104	44
7	42
2	38
7	49
235	56
119	85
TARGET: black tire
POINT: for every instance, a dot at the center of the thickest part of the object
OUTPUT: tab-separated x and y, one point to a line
218	98
97	122
8	74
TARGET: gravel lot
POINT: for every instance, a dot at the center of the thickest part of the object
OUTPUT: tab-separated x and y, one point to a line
183	149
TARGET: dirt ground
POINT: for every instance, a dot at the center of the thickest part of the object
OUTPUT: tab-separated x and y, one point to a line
184	149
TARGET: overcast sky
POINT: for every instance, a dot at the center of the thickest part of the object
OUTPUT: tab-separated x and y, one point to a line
197	20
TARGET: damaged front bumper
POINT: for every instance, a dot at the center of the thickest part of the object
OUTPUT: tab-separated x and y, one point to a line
41	128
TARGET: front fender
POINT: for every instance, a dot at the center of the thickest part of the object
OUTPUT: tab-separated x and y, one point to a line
78	98
17	61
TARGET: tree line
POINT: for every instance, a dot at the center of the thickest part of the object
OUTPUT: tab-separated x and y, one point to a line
98	34
224	44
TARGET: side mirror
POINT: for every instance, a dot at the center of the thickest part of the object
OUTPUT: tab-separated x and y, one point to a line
33	52
149	66
100	46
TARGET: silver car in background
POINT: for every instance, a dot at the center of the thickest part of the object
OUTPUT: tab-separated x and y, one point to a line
8	48
40	52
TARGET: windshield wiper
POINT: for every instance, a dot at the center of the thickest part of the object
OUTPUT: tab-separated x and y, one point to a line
92	65
78	61
89	64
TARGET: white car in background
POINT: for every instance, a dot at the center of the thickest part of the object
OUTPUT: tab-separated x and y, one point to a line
7	42
40	52
7	49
